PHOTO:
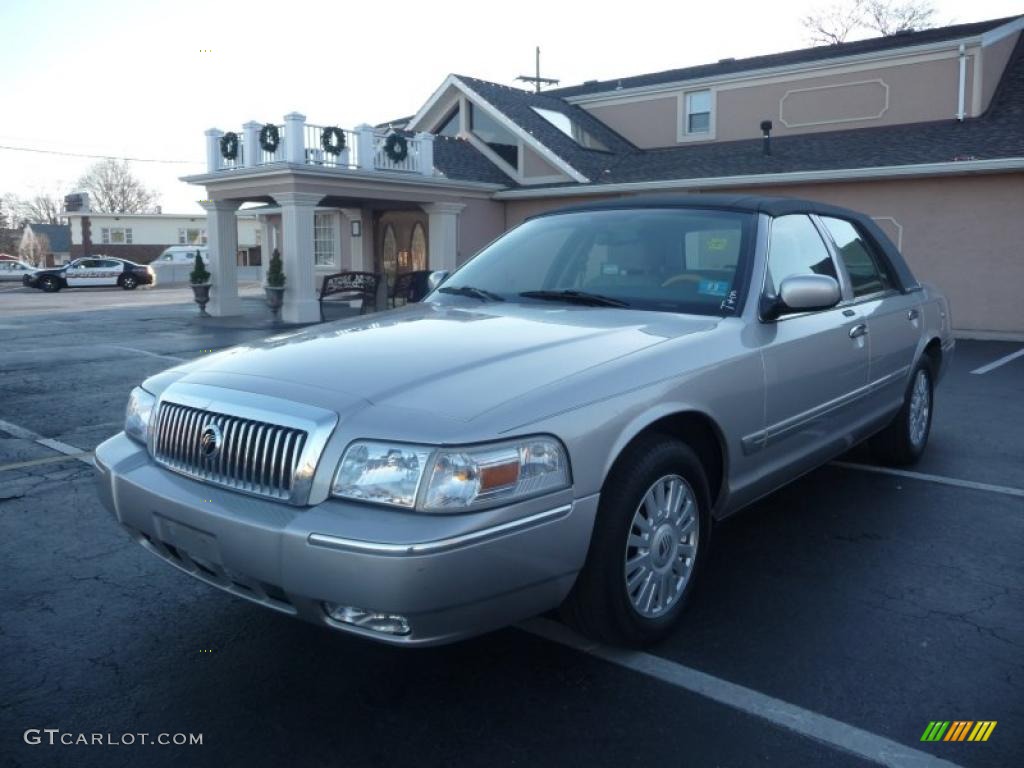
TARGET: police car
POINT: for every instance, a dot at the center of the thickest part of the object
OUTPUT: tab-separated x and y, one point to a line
93	272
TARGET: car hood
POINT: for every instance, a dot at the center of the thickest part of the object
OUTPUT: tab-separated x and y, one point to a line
456	360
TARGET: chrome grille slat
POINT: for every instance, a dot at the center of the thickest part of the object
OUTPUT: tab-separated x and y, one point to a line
255	457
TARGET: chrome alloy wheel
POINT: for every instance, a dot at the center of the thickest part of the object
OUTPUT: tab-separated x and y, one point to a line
920	408
661	548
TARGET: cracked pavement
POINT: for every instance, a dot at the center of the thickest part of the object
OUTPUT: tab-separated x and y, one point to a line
881	601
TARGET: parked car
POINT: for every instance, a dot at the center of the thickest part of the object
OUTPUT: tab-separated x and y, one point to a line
94	272
15	270
558	424
181	254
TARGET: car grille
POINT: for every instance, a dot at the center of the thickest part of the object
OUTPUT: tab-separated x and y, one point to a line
254	456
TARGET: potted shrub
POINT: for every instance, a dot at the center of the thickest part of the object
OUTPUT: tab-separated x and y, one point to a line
199	277
275	283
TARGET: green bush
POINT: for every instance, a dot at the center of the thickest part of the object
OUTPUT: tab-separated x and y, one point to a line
199	275
275	271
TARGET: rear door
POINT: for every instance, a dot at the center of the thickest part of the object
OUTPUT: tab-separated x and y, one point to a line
816	363
893	317
108	272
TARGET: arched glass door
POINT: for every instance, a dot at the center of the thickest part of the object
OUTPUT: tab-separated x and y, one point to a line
389	254
419	247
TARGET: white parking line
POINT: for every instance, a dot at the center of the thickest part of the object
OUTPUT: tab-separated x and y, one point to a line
1001	361
1003	489
834	733
47	460
47	442
144	352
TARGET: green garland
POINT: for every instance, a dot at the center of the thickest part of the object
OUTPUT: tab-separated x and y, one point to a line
270	138
333	140
396	148
229	146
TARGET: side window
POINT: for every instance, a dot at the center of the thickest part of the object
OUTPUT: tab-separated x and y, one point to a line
796	248
867	272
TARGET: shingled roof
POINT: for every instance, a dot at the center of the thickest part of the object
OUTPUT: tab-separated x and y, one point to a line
802	56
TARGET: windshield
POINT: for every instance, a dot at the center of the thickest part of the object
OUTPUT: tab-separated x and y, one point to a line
671	260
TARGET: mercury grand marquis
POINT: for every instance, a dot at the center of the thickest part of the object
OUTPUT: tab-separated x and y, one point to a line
559	424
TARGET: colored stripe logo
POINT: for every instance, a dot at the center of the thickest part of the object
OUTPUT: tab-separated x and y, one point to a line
958	730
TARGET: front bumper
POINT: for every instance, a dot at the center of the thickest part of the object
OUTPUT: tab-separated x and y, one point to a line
470	574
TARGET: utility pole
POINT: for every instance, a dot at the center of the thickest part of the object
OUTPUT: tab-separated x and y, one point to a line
537	80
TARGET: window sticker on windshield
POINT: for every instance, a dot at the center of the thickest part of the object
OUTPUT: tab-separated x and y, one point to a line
713	287
609	269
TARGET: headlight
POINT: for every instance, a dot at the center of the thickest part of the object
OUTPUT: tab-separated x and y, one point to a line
457	479
466	478
136	415
382	472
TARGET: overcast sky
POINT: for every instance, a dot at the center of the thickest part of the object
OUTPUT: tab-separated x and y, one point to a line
131	79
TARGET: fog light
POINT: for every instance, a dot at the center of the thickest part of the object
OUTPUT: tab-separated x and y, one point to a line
388	623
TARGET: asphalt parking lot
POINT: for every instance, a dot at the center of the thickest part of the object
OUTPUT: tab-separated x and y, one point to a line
836	618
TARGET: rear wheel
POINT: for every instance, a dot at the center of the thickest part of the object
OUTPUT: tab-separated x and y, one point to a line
50	284
649	541
129	282
904	440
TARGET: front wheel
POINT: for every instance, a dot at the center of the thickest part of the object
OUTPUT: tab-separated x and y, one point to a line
650	538
50	284
903	442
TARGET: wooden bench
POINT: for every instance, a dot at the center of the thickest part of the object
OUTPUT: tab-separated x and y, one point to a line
349	286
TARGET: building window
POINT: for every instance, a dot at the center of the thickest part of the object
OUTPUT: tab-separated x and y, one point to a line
419	247
191	236
323	239
450	126
492	133
116	235
570	128
697	115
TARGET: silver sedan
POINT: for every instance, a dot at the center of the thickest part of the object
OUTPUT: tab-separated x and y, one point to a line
559	423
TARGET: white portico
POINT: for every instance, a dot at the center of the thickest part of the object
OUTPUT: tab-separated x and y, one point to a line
372	200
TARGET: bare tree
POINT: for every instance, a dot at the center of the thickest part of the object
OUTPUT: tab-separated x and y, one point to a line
887	17
41	208
835	23
34	248
113	188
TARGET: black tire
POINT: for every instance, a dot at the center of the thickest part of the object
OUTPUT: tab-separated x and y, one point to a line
600	605
129	282
896	444
49	284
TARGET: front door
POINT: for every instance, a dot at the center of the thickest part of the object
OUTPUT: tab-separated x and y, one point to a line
816	363
79	274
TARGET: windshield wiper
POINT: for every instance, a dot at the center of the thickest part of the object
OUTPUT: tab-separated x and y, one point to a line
473	293
575	297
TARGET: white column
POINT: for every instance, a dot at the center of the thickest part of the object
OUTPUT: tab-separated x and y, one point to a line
443	234
251	143
426	145
366	147
213	149
222	242
295	138
300	302
266	246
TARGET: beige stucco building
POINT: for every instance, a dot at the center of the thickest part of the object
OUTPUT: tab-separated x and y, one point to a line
923	131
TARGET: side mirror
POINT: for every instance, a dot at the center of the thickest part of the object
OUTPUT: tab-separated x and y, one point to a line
801	293
436	278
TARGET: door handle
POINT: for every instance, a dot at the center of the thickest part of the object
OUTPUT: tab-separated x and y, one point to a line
860	329
913	314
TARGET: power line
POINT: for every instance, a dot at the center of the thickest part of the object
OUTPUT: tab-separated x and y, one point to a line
98	157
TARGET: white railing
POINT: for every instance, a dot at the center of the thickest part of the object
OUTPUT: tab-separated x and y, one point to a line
302	144
317	155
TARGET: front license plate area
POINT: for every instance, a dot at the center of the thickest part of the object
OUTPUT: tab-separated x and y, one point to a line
199	545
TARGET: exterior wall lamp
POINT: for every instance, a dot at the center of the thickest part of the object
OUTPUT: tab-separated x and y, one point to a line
357	228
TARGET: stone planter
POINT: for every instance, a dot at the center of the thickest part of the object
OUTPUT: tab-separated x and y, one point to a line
275	298
202	297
